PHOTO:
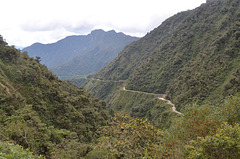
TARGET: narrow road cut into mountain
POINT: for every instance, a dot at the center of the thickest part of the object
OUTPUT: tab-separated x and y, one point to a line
159	96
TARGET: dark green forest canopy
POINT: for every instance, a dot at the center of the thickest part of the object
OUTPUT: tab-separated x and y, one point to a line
48	111
193	57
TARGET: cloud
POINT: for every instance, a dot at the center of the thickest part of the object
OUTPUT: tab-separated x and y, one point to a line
27	21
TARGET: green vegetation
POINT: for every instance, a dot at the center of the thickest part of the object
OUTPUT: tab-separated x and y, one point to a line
129	138
218	123
139	105
102	89
193	56
223	144
11	151
207	131
42	113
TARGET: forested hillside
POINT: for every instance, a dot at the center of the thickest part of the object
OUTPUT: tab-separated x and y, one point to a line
192	56
76	56
190	62
42	113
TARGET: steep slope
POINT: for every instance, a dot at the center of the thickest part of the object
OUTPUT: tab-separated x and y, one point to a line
41	112
192	56
139	51
76	56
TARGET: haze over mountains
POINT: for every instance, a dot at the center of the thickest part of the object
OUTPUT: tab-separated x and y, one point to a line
76	56
172	94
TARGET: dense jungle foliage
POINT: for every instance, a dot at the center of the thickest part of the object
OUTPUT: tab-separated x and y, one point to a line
206	131
192	57
102	89
42	113
139	105
44	117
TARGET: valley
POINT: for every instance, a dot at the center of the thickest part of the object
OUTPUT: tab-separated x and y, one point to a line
192	60
79	55
173	93
161	97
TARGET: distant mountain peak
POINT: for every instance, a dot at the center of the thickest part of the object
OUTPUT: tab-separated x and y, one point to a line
101	31
68	57
112	31
37	44
97	31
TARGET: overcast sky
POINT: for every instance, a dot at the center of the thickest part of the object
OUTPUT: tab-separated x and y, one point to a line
24	22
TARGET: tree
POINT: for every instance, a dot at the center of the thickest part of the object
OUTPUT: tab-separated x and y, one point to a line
128	137
38	59
223	144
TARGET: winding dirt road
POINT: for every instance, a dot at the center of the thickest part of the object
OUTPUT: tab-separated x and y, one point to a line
160	97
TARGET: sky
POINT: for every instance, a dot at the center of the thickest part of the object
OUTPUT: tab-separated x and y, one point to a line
24	22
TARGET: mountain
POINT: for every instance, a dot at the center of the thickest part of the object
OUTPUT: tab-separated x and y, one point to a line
76	56
193	60
42	113
44	117
193	57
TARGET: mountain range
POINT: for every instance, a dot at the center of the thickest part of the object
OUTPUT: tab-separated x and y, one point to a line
175	93
76	56
191	57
